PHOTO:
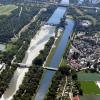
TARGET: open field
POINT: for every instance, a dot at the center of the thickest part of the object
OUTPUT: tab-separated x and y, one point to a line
88	84
7	9
36	45
88	76
90	87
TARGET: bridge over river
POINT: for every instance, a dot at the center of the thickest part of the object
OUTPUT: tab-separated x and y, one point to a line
51	68
22	65
48	74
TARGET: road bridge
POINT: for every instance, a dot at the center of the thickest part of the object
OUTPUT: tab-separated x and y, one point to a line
21	65
51	68
87	7
51	24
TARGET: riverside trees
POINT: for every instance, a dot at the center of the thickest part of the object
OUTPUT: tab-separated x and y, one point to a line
59	76
7	73
5	78
19	48
10	25
31	81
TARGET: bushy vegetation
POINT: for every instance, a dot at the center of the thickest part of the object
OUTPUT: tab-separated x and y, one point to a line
19	48
77	90
5	77
10	25
7	74
31	81
26	1
88	14
25	38
59	75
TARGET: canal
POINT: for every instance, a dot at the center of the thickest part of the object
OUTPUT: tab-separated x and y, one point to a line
48	75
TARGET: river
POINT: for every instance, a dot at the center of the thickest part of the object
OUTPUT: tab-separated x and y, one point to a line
57	15
48	75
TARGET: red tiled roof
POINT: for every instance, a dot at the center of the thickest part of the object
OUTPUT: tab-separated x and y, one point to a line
75	98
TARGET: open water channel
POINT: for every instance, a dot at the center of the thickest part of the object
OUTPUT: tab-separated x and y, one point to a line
48	75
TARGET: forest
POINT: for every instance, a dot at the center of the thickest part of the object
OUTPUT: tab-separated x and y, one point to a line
10	25
31	80
19	48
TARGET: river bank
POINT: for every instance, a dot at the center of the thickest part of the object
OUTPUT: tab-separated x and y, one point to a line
47	76
37	44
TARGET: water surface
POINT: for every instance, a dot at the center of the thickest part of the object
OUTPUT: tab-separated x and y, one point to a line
48	75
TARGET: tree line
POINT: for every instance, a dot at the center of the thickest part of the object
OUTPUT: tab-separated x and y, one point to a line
59	75
10	25
31	80
24	41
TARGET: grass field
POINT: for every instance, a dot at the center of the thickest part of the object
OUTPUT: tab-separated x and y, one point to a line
53	51
90	87
90	90
82	76
90	97
7	9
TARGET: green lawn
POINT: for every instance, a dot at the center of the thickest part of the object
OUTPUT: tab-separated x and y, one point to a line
82	76
7	9
50	56
90	97
90	87
63	62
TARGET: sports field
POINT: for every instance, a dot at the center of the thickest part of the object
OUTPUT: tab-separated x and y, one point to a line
88	84
90	87
90	97
7	9
82	76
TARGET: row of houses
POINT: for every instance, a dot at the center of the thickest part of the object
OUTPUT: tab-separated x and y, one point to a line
85	51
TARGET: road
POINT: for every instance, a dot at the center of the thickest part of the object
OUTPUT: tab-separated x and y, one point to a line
33	20
87	7
20	11
64	88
